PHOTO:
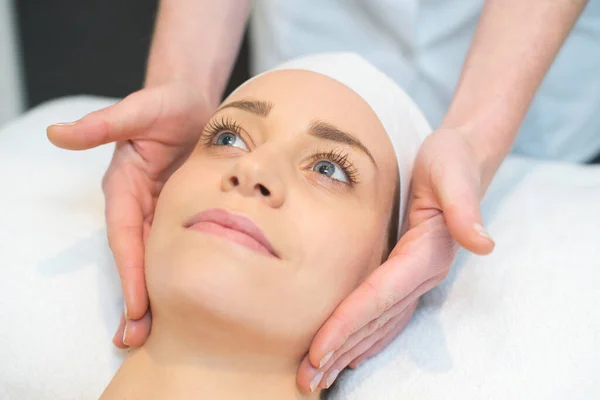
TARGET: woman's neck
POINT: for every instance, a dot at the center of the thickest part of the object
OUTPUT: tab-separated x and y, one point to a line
171	367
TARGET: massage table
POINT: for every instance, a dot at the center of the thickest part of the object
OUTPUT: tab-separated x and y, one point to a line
521	323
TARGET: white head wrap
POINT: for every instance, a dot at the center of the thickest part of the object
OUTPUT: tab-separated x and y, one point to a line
401	118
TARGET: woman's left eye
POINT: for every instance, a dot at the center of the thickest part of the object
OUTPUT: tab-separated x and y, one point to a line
331	170
230	139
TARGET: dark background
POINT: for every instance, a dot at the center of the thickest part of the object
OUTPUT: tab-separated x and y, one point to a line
95	47
92	47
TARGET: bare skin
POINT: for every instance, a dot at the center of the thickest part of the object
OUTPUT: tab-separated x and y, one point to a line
234	323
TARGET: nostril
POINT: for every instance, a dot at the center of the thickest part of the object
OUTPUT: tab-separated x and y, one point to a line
263	190
234	181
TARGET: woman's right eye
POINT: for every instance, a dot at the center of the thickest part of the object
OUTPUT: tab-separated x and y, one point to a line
230	139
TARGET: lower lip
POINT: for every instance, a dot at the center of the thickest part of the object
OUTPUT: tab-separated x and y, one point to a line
232	235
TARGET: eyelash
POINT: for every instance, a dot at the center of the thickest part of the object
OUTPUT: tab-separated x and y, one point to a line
214	127
338	157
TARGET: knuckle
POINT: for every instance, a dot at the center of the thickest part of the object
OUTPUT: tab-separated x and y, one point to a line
373	326
346	327
387	329
378	323
385	318
355	352
385	301
347	358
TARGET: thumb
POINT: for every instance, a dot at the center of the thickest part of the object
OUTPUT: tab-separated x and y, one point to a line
458	191
122	121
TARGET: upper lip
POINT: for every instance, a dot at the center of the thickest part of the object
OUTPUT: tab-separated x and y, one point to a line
233	221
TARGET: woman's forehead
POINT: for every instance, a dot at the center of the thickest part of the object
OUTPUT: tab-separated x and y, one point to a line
303	96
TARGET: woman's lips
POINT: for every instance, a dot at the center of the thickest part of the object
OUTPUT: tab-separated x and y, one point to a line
237	228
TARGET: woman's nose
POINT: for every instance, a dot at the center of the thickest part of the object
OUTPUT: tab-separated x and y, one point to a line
255	176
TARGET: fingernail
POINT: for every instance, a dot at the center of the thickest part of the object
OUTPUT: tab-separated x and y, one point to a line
315	381
325	358
125	335
125	310
331	377
482	232
65	123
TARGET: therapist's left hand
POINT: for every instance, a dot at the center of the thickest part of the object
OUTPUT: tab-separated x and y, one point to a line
449	180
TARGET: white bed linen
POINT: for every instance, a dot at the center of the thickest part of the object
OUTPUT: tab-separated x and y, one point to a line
521	323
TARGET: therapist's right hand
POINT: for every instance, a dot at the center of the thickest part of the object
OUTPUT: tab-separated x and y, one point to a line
155	129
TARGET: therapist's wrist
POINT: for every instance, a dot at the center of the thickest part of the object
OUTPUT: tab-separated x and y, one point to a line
490	144
209	92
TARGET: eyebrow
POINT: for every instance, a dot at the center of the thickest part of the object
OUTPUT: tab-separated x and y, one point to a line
258	107
324	130
319	129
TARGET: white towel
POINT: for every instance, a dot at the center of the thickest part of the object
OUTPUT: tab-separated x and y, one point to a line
60	295
522	323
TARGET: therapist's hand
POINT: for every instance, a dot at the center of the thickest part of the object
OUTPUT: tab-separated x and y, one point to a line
444	212
155	129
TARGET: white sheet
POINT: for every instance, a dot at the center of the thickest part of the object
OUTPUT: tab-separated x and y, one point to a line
521	323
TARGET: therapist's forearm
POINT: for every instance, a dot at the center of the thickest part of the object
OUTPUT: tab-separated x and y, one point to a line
196	41
513	47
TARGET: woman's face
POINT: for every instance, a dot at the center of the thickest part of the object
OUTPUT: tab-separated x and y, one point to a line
280	211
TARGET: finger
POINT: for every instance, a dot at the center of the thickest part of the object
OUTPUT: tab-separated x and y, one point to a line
394	280
307	378
124	220
307	373
122	121
364	345
331	372
458	192
378	323
136	331
382	343
118	338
